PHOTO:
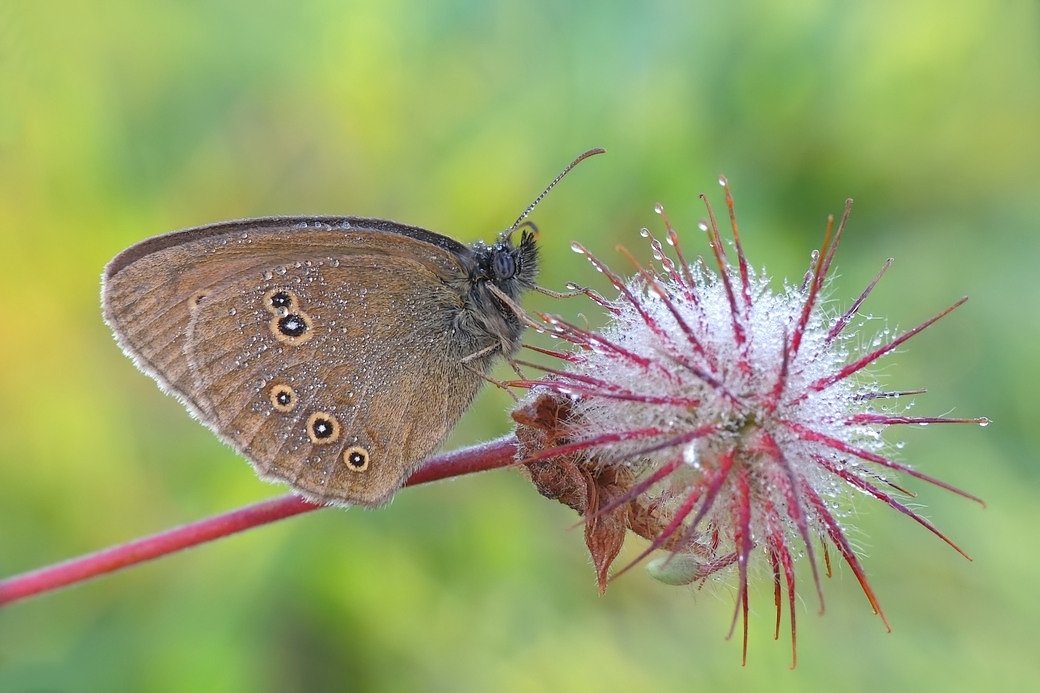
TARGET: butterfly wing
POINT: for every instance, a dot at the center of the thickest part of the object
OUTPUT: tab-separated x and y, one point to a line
323	350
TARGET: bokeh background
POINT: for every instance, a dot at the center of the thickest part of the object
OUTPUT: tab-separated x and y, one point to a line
122	119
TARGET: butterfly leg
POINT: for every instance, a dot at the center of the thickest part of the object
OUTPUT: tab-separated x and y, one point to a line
497	383
515	307
576	291
467	360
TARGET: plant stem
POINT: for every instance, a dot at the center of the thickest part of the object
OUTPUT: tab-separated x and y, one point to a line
482	457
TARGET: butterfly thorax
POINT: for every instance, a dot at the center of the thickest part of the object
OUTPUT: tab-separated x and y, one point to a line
511	269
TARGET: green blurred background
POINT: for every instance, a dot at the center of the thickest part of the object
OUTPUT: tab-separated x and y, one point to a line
120	120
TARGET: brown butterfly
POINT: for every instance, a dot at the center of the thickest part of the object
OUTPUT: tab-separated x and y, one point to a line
334	353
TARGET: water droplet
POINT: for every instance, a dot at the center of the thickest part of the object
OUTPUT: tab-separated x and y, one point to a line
674	569
983	422
659	208
722	181
644	232
702	225
268	275
576	247
280	269
658	252
233	311
691	457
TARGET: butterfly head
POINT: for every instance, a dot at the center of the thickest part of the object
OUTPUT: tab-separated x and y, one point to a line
511	266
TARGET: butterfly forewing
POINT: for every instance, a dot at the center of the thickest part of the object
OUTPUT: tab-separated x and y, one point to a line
324	353
348	342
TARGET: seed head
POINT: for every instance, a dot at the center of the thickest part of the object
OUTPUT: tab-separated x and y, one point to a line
722	420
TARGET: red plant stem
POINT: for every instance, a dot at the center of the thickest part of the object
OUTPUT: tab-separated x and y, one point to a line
486	456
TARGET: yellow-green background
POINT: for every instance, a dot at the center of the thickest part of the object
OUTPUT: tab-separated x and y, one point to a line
122	119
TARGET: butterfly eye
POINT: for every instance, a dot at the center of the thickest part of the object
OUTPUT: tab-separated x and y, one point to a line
503	265
322	428
356	458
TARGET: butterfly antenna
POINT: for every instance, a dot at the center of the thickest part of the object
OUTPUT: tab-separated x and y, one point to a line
557	179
